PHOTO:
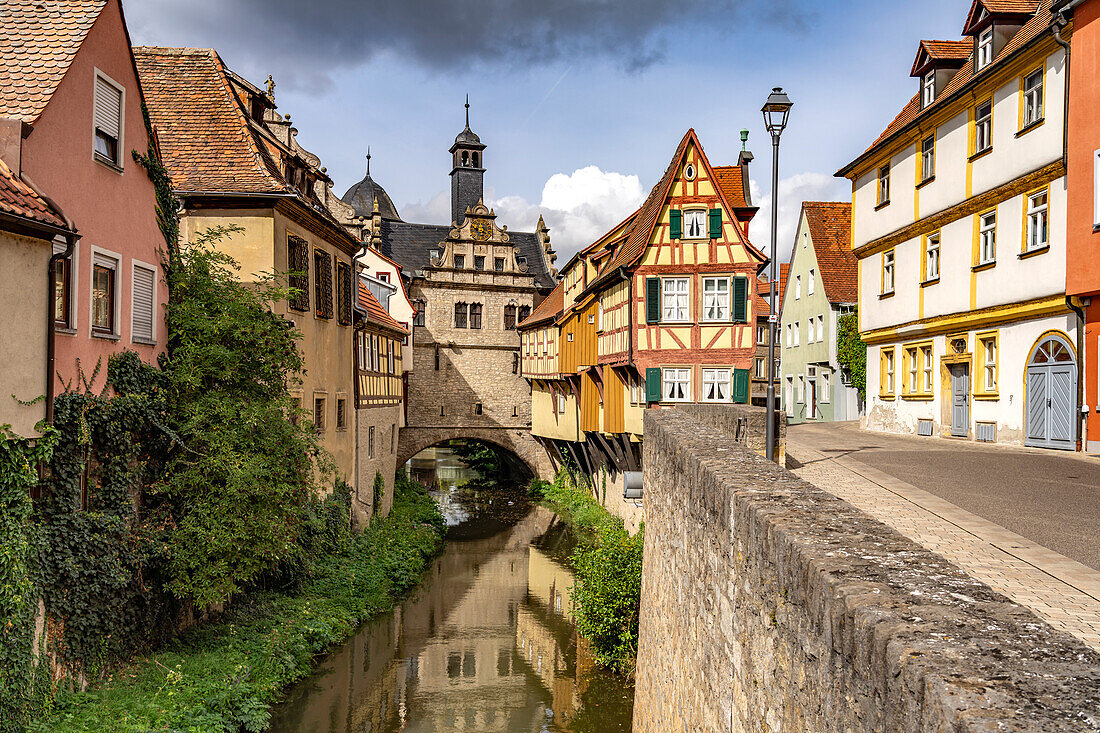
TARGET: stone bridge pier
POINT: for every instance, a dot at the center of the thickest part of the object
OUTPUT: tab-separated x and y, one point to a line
519	442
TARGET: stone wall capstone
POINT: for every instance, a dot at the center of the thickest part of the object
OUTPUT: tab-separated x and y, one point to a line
770	605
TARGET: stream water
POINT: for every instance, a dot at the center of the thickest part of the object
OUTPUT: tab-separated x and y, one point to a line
485	643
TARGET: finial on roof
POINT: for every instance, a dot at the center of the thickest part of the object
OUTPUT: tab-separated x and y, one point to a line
270	84
744	138
467	110
368	160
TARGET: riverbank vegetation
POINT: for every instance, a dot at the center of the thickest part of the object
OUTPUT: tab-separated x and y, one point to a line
608	567
225	674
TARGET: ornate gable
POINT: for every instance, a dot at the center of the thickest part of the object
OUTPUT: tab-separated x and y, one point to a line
479	245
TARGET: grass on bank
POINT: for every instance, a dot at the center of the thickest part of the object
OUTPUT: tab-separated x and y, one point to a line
608	568
225	675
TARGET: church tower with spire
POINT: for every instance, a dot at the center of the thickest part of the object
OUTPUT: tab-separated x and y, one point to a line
467	172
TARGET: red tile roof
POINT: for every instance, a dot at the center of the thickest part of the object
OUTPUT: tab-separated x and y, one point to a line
206	140
763	287
998	7
19	199
956	51
38	41
912	111
549	309
375	312
729	181
830	225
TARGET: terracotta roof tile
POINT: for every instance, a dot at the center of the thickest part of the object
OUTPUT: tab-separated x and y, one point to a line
763	289
830	224
19	199
206	140
954	51
729	181
549	309
38	41
375	312
912	111
998	7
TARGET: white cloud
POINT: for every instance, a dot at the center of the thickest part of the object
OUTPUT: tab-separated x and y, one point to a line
578	207
792	192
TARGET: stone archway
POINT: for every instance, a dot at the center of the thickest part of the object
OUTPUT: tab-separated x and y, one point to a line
412	440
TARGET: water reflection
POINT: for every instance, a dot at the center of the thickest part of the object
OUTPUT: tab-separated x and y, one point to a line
485	644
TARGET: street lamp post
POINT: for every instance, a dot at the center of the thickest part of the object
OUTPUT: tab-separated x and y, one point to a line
776	111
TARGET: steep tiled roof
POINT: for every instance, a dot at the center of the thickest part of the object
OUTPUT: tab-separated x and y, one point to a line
206	140
998	7
375	312
549	309
728	178
954	51
912	111
38	41
830	224
19	199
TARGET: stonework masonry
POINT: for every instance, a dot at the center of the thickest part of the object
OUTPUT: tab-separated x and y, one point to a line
378	429
769	605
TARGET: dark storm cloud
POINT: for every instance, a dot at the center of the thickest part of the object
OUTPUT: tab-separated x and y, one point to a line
306	38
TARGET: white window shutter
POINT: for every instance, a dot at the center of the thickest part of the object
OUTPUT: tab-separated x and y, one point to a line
143	307
108	108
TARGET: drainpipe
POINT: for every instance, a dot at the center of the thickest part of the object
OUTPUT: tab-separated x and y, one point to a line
1082	419
1058	25
51	324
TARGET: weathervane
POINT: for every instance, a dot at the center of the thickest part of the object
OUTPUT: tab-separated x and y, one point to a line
467	110
368	160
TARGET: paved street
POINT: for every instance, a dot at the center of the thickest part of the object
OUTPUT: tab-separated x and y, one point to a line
1026	522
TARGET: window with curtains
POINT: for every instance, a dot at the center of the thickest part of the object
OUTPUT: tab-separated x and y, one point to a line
716	385
322	280
716	298
677	385
108	115
344	293
297	258
674	299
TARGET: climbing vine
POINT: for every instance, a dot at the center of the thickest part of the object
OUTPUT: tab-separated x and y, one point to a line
851	352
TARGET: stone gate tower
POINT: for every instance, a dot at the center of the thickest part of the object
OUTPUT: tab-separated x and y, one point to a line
467	171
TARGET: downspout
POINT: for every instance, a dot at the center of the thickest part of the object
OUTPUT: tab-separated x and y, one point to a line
1058	25
51	324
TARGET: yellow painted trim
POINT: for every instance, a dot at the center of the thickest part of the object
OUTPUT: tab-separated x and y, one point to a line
981	390
1024	203
882	273
1020	125
970	320
970	152
907	388
882	357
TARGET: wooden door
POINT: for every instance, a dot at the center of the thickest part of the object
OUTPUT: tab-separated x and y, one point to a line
960	400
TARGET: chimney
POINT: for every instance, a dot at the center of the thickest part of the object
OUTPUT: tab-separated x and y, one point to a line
12	132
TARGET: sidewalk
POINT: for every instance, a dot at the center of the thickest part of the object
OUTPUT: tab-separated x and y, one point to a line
1062	591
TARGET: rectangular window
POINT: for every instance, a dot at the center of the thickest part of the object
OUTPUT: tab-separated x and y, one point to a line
322	281
104	295
886	386
1033	98
716	385
987	238
108	116
790	338
561	403
361	350
928	158
825	386
797	332
460	261
460	315
297	260
912	360
762	335
884	185
319	414
983	127
695	223
393	437
932	257
498	264
475	315
985	48
479	262
926	363
987	353
479	409
1036	221
344	295
675	299
797	287
370	442
421	312
62	303
788	396
761	371
143	307
677	384
929	94
510	317
810	283
716	298
888	272
820	328
341	413
801	388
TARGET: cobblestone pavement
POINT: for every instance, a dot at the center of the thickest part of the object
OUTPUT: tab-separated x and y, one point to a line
1063	591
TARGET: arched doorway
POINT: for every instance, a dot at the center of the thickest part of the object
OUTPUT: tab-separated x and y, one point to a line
1050	409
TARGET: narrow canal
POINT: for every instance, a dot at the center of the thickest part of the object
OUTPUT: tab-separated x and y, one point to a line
485	643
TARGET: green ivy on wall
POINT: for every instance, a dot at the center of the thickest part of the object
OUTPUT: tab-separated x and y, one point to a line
851	352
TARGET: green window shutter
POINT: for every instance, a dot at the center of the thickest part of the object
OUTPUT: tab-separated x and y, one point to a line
676	223
716	223
653	384
653	300
740	299
741	385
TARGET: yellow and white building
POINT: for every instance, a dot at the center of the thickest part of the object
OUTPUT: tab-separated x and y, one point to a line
958	225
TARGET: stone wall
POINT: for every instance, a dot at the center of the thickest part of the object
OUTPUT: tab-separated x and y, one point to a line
746	424
386	424
770	605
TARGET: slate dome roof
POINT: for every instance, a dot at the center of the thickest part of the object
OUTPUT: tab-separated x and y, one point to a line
362	196
467	136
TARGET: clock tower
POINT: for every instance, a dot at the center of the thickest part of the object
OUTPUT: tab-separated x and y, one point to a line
467	173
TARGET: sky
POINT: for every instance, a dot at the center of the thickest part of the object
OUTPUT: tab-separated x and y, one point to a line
580	102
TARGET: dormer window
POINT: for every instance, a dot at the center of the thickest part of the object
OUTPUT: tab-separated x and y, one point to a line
985	48
929	94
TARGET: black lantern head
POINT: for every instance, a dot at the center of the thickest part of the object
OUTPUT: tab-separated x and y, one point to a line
776	110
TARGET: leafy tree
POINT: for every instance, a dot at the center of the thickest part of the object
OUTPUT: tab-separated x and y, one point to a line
244	479
851	352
